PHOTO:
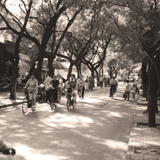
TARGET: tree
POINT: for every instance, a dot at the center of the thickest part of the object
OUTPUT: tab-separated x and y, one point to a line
142	21
14	57
43	24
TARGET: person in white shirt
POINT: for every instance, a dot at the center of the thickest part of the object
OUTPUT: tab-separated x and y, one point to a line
47	82
127	90
81	86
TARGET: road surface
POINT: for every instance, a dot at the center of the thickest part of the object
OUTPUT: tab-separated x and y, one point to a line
98	129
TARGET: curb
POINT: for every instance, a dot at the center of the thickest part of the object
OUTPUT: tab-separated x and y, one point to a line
130	149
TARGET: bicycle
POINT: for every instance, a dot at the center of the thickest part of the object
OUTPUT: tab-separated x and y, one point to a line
70	99
27	102
52	99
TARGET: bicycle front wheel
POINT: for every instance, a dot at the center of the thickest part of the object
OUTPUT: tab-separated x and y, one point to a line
24	105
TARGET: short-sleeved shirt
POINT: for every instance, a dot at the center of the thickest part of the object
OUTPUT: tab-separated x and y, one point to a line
128	87
113	82
31	85
47	81
55	83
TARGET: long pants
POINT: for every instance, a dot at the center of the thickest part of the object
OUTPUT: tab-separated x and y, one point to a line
101	84
83	92
112	86
127	94
54	93
47	96
86	86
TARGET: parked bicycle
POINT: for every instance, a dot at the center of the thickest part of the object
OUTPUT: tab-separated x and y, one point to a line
71	99
28	102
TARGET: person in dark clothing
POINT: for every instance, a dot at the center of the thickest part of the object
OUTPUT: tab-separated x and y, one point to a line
53	88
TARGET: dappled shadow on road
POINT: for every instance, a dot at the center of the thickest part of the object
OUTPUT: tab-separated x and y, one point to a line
88	132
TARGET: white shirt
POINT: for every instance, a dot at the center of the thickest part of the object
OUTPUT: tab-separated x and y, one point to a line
47	81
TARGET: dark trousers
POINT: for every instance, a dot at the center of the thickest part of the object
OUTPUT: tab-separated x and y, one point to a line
101	84
47	96
127	93
114	87
54	93
83	92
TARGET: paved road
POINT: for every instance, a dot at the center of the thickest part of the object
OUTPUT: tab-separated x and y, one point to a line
98	129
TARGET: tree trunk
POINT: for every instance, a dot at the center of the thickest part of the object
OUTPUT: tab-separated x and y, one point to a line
97	77
152	97
39	65
69	71
1	64
51	69
144	78
14	81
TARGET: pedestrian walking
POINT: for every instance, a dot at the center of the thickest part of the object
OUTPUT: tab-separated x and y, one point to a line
101	81
86	84
47	81
127	90
113	84
91	82
133	91
105	82
81	87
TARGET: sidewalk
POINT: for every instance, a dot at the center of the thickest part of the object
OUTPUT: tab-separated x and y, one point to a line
5	100
144	142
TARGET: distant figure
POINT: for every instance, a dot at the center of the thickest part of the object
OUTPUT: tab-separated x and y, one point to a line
86	84
133	91
127	90
113	84
101	81
47	82
81	87
105	82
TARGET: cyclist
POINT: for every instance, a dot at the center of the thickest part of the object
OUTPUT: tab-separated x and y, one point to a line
31	86
53	88
6	149
72	85
81	84
113	85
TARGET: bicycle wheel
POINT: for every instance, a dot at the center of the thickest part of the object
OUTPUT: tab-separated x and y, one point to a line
24	105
